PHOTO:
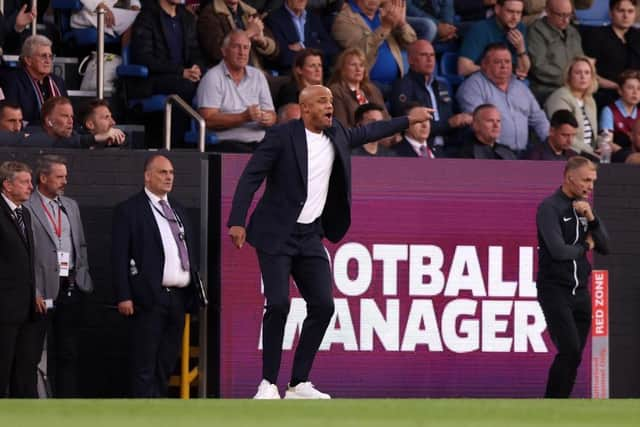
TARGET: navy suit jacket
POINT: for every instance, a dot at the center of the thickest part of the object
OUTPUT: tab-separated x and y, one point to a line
17	303
281	158
19	89
285	33
135	236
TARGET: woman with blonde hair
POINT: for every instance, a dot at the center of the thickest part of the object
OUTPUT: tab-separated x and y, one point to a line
580	82
351	87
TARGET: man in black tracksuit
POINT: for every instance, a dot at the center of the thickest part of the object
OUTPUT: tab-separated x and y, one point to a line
567	230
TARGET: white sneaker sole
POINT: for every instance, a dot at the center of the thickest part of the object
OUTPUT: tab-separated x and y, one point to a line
289	395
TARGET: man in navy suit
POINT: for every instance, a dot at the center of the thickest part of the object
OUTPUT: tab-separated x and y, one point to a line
307	165
19	333
153	255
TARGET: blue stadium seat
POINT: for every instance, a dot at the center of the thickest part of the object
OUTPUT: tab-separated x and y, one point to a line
191	137
597	15
83	36
449	69
127	70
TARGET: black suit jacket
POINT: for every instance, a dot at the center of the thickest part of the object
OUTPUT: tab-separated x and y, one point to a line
17	283
135	236
19	90
280	23
281	158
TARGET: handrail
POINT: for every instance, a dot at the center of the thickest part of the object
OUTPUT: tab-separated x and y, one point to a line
202	127
34	23
100	54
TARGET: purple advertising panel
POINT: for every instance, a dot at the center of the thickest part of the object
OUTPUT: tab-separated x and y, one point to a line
434	286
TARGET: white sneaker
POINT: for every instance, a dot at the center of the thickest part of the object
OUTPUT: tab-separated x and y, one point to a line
266	390
305	390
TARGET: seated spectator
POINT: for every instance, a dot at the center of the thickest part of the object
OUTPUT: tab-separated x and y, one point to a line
622	155
57	129
552	42
577	96
219	17
381	32
415	140
97	120
307	71
483	144
615	48
439	13
496	84
296	27
420	85
504	27
34	82
10	117
561	134
234	97
424	24
619	117
369	113
289	112
118	16
351	87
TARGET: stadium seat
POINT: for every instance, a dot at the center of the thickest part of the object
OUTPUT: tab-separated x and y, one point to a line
191	137
449	70
597	15
80	36
130	71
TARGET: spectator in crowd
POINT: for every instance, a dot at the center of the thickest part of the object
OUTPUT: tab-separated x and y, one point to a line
34	82
164	40
380	31
518	107
57	129
622	155
19	335
504	27
369	113
288	112
619	117
615	48
415	141
577	96
421	85
118	16
351	87
424	24
154	276
552	42
13	22
219	17
234	97
307	71
484	144
97	120
440	12
296	27
561	134
10	117
62	272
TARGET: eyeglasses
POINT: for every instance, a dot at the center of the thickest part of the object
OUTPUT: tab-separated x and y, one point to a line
561	15
45	56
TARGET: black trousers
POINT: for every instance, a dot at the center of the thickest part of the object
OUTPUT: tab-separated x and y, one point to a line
156	337
568	318
20	350
304	258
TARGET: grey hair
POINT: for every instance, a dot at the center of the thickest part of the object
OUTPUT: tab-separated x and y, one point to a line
45	163
9	170
227	38
31	43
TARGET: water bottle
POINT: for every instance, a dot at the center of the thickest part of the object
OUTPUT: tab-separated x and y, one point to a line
604	146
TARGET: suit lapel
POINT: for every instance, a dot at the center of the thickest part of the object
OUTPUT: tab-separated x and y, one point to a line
149	218
7	212
299	143
36	206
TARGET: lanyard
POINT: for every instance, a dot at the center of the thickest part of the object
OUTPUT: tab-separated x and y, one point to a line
58	229
175	214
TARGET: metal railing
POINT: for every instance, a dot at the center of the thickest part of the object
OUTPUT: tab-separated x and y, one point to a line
100	54
204	229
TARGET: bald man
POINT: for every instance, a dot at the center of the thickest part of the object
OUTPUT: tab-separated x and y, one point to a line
552	42
307	196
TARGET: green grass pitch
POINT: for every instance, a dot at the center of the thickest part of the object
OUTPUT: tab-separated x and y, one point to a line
338	413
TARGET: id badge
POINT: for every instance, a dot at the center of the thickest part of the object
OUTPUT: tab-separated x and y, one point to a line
63	263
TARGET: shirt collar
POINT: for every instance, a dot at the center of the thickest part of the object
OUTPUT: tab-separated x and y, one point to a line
303	15
12	205
154	198
44	198
623	110
415	144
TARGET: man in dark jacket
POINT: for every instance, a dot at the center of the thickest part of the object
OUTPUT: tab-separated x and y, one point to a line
483	143
567	230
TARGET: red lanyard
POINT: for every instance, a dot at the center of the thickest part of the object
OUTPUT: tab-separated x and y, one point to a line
58	229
